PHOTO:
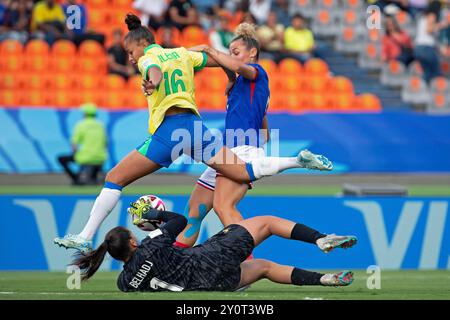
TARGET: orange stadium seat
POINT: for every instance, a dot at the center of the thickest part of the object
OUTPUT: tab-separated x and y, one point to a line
122	4
289	66
113	82
215	82
368	101
36	81
115	99
134	83
216	101
11	48
193	35
98	3
37	48
317	84
63	64
92	65
276	102
374	35
11	98
316	67
320	102
89	82
65	98
136	100
290	83
350	17
11	81
276	82
177	37
341	85
94	96
38	64
36	98
345	102
90	48
63	48
11	63
63	81
99	18
439	100
293	102
199	83
269	65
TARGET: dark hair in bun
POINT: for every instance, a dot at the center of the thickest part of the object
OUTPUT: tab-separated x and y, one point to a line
137	32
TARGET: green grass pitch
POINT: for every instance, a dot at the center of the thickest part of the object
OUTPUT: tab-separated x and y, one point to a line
414	190
394	285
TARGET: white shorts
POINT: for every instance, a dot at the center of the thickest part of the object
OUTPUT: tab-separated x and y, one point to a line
246	153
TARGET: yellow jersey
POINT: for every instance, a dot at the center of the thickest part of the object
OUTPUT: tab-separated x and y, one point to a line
177	84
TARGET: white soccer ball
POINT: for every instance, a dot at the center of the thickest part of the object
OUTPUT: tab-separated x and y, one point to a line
155	203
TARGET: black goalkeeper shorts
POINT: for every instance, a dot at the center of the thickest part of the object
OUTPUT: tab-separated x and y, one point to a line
219	259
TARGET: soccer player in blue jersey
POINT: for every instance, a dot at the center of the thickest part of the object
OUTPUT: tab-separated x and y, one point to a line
171	104
246	131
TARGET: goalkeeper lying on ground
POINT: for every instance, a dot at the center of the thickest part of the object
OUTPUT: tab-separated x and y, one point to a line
217	265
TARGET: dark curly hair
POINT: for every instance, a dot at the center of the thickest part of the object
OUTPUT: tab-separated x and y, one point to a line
137	32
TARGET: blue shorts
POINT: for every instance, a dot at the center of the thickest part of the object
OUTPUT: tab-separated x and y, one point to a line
179	134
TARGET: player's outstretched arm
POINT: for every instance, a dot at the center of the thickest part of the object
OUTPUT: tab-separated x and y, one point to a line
174	222
217	58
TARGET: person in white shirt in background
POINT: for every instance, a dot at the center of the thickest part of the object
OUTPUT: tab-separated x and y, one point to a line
152	12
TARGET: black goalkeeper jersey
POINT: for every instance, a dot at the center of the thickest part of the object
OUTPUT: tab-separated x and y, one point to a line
157	265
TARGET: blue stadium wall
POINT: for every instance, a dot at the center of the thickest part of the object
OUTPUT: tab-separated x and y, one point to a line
393	233
32	138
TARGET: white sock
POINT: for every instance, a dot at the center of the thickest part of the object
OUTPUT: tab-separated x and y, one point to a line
104	204
269	166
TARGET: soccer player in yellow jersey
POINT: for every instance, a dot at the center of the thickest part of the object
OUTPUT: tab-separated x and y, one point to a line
171	103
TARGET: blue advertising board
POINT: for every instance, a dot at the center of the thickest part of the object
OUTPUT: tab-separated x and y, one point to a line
393	232
372	142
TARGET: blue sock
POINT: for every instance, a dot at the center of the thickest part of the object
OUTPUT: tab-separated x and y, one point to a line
112	185
250	172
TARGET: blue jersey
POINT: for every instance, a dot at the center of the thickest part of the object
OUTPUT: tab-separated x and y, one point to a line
246	107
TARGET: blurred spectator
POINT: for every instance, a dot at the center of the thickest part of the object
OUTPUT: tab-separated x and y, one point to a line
249	18
388	6
396	43
221	37
417	6
260	10
203	5
426	50
153	13
48	21
78	31
298	39
206	19
182	13
17	18
89	148
117	57
167	38
281	9
271	38
3	5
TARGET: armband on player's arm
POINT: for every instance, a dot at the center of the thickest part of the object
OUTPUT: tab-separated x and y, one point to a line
174	222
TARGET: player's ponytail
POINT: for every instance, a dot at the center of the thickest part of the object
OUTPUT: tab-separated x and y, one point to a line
247	33
117	244
137	32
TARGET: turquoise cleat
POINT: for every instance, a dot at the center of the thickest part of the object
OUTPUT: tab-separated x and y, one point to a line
341	279
332	241
309	160
74	241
